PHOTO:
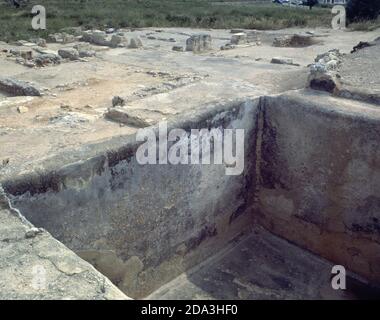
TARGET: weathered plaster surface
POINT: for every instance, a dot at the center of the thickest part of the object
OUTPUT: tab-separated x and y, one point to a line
34	265
320	178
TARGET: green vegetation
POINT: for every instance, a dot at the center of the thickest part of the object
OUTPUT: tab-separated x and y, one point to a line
363	10
365	25
16	23
363	15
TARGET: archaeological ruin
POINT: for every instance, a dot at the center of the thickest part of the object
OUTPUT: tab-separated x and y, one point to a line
81	218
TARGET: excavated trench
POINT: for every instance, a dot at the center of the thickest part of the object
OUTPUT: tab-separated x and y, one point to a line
311	177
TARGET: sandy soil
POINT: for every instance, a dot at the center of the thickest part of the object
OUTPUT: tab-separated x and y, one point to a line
78	93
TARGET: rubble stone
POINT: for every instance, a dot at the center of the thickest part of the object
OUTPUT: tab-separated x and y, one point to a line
116	41
61	37
135	43
239	38
96	37
101	38
324	72
178	48
199	43
133	117
47	58
25	54
69	53
87	53
25	43
117	101
110	30
228	46
22	109
279	60
295	41
39	42
18	88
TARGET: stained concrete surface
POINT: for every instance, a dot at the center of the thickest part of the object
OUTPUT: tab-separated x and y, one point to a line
258	266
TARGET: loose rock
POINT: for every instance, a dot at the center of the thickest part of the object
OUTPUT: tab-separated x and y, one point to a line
135	117
117	40
199	43
39	42
135	43
46	59
101	38
96	37
25	54
87	53
283	61
178	48
63	38
118	101
4	162
25	43
239	38
22	109
69	53
324	72
18	88
228	46
295	41
110	30
33	232
85	50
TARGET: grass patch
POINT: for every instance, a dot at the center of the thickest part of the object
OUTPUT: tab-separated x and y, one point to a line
368	25
16	23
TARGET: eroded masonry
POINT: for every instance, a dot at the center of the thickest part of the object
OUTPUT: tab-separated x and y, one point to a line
80	218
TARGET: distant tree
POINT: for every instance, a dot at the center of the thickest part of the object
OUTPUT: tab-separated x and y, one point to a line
17	3
358	10
311	3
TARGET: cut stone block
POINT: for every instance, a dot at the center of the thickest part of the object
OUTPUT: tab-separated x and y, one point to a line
279	60
199	43
140	118
239	38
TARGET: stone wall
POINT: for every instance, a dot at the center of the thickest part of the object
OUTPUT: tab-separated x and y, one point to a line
143	225
311	176
34	265
320	178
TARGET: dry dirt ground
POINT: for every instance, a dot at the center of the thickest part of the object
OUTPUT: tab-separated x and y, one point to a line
78	93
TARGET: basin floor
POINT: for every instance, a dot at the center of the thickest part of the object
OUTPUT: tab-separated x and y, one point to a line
257	266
